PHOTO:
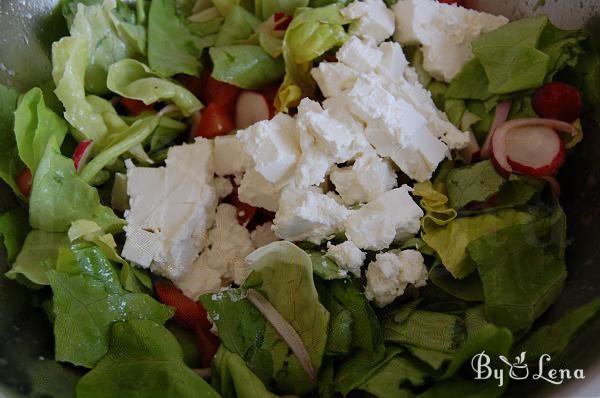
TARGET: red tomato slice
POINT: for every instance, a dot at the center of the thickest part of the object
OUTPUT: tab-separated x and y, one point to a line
222	94
214	121
246	212
135	107
208	344
24	182
189	314
458	2
197	85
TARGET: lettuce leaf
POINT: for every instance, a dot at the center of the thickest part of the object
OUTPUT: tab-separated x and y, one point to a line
467	289
263	9
237	27
35	126
522	270
172	47
450	241
37	256
246	66
144	359
109	39
434	202
167	130
59	196
10	163
13	229
313	32
88	300
233	379
132	79
324	267
473	183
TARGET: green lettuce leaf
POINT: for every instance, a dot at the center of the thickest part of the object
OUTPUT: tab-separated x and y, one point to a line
325	268
144	359
246	66
434	202
473	183
167	130
468	289
35	126
313	32
88	300
109	39
132	79
10	163
522	270
37	256
244	331
59	196
450	241
263	9
233	379
586	76
172	47
69	62
14	227
237	27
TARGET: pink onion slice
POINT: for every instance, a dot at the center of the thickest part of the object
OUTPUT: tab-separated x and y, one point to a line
502	110
285	330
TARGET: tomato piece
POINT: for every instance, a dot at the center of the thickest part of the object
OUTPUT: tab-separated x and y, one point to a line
197	85
189	314
246	212
222	94
24	182
135	107
214	121
208	344
457	2
282	21
557	100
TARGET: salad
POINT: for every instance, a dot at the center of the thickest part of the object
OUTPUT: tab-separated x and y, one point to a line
297	198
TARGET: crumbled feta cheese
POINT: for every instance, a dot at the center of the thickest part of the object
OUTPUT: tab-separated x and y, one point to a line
368	178
403	135
391	272
347	256
333	77
373	20
360	56
263	235
141	246
223	187
228	244
444	31
308	214
393	63
368	99
229	155
273	147
392	216
258	192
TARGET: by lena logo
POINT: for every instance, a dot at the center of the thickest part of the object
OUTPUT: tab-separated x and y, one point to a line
519	369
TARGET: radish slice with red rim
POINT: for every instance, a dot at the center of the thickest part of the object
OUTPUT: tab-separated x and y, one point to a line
535	150
500	117
251	107
82	153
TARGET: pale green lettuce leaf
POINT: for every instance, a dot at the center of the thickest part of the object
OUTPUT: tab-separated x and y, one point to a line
35	126
237	27
14	227
10	163
38	256
246	66
132	79
59	196
263	9
473	183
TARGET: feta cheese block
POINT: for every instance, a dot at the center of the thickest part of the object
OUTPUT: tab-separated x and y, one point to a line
230	157
390	274
367	178
333	77
308	214
223	187
171	209
359	55
273	147
258	192
222	262
347	256
263	235
392	216
368	98
444	31
372	20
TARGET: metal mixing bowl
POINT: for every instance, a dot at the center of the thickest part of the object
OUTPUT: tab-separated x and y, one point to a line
28	27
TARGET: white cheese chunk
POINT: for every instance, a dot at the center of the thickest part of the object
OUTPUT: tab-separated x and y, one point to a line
223	187
393	63
263	235
368	99
272	146
372	20
392	216
368	178
228	244
347	256
333	77
308	214
258	192
444	31
360	56
141	246
391	272
229	156
146	190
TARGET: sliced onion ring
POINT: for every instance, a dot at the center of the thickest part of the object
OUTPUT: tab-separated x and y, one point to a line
285	330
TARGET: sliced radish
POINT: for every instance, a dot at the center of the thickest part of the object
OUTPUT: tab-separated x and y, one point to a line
82	154
500	117
471	153
547	149
251	107
535	150
557	100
